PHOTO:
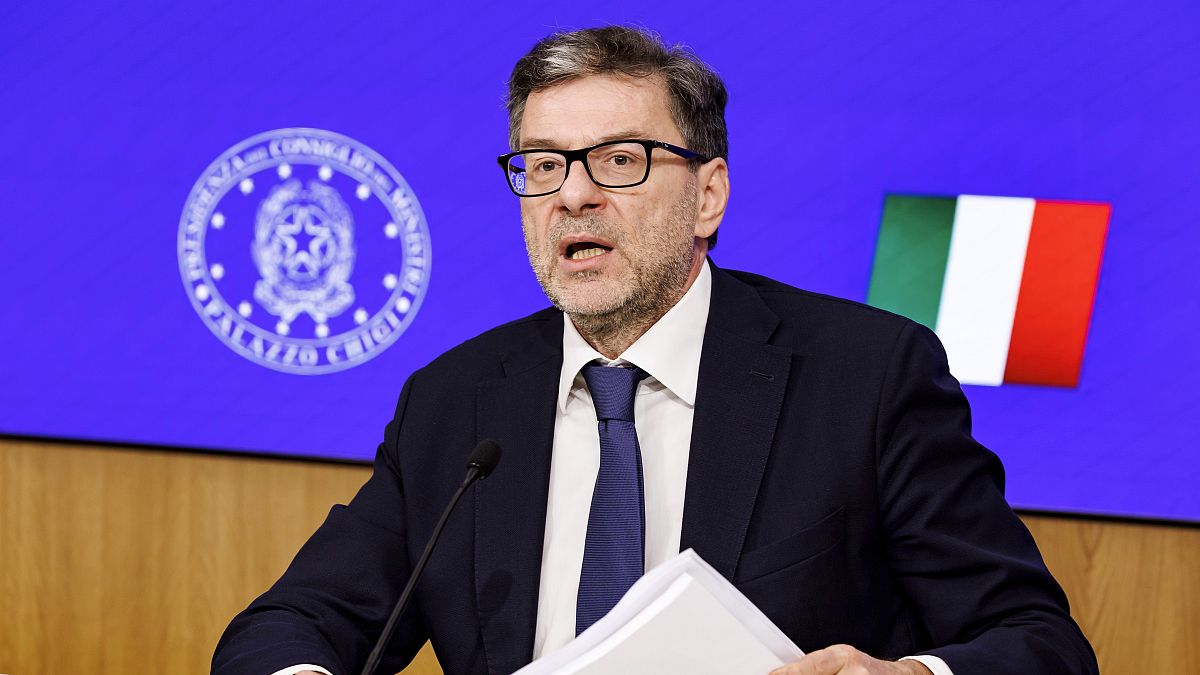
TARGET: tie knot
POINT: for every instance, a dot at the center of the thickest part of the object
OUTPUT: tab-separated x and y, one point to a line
612	390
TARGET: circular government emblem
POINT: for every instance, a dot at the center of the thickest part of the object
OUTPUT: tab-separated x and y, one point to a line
304	251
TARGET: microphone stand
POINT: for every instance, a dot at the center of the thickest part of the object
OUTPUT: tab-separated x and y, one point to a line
474	473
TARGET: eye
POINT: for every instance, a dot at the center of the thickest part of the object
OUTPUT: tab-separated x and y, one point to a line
547	164
620	157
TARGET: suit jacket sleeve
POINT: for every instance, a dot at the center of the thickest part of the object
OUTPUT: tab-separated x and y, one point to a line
330	605
968	564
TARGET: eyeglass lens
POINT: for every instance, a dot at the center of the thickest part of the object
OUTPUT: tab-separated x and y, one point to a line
615	165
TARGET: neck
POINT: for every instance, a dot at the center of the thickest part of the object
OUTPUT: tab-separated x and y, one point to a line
611	334
614	332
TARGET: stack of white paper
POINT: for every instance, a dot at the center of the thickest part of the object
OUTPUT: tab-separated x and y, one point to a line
682	616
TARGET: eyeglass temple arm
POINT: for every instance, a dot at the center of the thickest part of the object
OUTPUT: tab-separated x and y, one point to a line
682	152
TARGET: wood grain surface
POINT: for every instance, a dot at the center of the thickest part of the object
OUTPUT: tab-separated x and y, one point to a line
120	561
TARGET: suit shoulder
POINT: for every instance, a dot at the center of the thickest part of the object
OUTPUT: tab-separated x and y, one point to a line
820	313
483	353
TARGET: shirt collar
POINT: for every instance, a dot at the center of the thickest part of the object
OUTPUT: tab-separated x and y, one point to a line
669	351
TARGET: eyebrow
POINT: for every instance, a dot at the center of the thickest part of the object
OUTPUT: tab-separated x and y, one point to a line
548	144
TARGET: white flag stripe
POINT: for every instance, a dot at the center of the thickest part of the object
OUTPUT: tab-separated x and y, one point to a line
983	278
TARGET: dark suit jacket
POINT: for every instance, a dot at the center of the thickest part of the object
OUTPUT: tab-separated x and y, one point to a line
832	477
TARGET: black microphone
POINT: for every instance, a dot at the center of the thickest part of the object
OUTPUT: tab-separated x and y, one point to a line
480	464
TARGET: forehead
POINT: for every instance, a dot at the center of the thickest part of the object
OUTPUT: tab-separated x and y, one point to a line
592	109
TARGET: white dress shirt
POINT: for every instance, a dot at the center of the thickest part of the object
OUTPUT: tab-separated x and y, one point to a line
663	410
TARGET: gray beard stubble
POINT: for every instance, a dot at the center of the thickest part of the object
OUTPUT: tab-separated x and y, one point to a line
657	284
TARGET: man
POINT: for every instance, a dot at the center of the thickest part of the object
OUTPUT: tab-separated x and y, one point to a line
813	450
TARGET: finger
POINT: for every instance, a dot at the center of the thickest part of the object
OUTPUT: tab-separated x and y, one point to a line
826	661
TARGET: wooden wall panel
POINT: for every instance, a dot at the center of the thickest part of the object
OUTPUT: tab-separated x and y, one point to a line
119	561
125	561
1134	589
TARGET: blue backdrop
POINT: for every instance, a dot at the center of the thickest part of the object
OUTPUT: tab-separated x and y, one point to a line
113	112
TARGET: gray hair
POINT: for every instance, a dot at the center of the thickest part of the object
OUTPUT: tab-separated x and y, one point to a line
697	95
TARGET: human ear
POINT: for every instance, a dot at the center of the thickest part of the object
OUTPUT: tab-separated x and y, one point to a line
712	195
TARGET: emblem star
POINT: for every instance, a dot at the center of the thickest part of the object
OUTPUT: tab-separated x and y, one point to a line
307	242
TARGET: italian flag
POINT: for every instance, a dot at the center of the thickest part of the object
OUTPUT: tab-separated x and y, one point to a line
1006	283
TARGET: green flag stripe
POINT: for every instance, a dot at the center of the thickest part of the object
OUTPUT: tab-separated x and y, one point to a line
910	256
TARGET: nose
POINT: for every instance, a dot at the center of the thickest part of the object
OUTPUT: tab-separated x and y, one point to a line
578	193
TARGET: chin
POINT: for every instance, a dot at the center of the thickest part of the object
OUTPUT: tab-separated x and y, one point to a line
590	298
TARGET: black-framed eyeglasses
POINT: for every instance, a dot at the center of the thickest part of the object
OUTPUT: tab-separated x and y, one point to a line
613	164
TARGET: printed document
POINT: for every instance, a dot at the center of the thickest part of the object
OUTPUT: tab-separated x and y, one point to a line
682	616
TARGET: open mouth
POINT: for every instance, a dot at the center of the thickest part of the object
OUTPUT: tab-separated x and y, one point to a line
583	250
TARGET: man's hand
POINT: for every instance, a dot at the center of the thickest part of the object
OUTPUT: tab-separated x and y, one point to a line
846	660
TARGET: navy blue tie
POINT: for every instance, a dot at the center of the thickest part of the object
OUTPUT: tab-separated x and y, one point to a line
614	552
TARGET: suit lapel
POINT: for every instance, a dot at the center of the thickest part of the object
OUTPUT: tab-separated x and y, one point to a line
510	506
742	382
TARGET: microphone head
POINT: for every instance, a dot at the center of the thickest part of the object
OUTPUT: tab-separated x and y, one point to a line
484	457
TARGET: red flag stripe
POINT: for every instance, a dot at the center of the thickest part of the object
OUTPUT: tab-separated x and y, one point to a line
1058	287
